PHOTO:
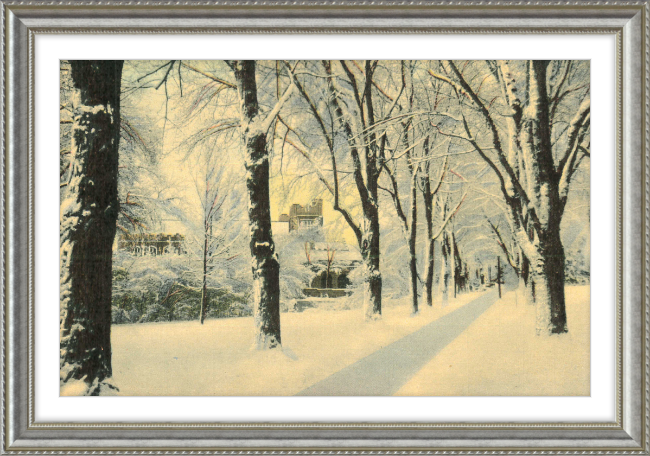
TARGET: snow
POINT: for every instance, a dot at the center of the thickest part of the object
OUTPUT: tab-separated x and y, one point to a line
498	354
81	388
218	358
73	388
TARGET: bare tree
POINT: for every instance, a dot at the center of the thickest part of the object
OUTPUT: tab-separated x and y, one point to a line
89	214
429	194
346	112
209	183
330	260
266	268
366	174
409	223
541	157
457	265
515	258
446	265
415	133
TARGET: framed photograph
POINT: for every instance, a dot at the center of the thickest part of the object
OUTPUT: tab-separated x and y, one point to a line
323	227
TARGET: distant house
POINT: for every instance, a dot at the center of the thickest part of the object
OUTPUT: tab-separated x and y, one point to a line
167	238
299	218
331	262
151	244
305	217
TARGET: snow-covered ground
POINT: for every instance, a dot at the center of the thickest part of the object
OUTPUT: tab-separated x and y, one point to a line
190	359
497	354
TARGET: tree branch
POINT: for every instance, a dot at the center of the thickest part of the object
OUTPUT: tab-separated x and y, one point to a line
396	200
555	98
266	123
315	113
220	81
503	246
449	217
579	120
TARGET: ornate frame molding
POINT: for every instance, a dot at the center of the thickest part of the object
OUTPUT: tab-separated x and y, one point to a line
629	21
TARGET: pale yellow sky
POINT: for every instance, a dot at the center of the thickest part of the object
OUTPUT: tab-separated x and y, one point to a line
180	171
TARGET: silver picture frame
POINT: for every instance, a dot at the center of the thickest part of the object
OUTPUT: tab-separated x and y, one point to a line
629	21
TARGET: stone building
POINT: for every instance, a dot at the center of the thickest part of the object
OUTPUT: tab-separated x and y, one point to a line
305	217
330	263
151	244
299	218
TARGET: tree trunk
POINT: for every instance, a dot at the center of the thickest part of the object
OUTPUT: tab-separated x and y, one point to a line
265	265
89	213
545	246
370	255
499	275
368	235
204	290
527	284
548	274
413	263
457	264
431	243
429	271
445	269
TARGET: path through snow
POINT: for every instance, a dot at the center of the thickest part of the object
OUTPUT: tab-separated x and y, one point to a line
385	371
189	359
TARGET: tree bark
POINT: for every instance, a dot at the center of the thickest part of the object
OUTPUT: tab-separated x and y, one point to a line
89	213
431	245
372	279
204	289
445	268
535	188
548	274
265	265
457	267
527	279
430	271
413	263
368	235
499	275
544	248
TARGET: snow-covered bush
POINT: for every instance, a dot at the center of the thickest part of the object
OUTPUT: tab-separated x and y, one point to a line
294	268
309	254
134	316
576	268
154	312
150	289
576	265
119	316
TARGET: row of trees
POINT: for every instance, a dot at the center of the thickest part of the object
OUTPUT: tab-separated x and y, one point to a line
459	136
528	121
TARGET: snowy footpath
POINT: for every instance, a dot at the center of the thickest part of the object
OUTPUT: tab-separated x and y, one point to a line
385	371
500	355
476	345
